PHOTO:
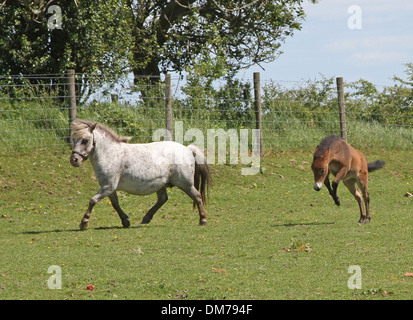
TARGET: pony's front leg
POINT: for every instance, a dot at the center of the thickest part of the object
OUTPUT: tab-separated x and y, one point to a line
122	215
332	191
103	192
339	176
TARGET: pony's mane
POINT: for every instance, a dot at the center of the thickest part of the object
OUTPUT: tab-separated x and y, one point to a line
325	143
80	127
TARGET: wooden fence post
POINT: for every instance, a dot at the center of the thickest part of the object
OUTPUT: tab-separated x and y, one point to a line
72	96
257	103
341	108
168	107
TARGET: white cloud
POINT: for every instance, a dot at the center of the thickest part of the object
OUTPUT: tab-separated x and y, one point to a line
399	42
327	45
375	13
373	50
377	57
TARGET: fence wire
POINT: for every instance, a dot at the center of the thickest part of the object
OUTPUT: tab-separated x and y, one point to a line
34	111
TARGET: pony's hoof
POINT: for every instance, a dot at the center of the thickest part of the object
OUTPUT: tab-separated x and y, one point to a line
337	201
126	223
83	225
145	220
202	222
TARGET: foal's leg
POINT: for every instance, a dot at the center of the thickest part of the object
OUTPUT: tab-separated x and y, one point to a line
362	184
162	198
351	186
333	192
102	193
122	215
339	176
195	195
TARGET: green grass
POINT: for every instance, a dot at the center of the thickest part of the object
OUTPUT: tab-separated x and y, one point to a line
269	236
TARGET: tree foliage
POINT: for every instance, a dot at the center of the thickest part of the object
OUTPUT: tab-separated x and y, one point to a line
315	101
110	37
171	35
94	37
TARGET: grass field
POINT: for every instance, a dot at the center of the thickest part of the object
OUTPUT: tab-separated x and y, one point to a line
269	236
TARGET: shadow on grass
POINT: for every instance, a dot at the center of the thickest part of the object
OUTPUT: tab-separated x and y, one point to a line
85	230
290	224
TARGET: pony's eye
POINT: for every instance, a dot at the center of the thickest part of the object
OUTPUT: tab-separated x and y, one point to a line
322	171
85	141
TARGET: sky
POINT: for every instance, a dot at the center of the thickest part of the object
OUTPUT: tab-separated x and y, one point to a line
353	39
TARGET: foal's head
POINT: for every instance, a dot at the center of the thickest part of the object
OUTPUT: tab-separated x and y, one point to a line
82	139
320	167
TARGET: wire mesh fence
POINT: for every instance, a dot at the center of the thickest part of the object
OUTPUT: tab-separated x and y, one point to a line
35	109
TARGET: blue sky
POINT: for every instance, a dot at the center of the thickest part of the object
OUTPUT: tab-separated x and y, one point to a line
374	49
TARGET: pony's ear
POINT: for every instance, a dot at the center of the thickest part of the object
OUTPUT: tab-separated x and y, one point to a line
316	149
125	139
92	127
325	155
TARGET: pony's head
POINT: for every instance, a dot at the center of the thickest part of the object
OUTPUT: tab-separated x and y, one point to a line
320	167
82	139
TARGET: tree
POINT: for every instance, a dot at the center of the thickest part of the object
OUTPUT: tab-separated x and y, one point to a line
111	37
170	35
94	38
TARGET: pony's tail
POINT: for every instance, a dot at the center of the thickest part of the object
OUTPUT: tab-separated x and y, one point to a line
202	175
376	165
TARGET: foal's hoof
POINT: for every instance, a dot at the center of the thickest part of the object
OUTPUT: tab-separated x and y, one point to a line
364	220
337	201
202	222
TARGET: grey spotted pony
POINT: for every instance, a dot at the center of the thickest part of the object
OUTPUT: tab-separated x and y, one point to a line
139	169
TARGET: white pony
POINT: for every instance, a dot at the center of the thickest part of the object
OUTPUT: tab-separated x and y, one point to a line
139	169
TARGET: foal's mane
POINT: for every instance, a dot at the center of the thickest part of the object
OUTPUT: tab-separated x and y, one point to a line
325	144
78	128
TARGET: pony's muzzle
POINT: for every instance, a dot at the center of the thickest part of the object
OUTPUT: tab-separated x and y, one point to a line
318	186
76	160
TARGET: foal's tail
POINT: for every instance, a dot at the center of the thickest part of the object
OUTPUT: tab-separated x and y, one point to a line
376	165
202	176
